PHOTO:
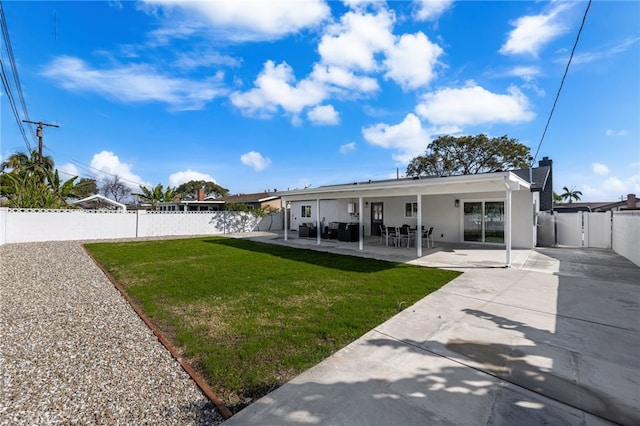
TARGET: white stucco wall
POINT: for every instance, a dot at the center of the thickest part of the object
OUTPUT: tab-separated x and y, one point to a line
438	211
626	234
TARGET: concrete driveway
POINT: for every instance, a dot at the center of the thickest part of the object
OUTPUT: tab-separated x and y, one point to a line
553	341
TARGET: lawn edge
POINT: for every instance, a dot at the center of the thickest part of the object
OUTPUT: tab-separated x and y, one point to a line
206	390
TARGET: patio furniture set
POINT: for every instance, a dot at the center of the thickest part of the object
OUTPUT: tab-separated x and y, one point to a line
396	236
341	231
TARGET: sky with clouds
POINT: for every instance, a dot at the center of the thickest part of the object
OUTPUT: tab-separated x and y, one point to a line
257	95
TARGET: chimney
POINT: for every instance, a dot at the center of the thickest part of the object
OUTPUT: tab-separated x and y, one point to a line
201	194
546	196
631	201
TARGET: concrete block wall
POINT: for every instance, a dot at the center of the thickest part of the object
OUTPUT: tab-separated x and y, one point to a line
33	225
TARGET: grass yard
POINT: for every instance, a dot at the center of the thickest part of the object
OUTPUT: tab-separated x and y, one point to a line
250	316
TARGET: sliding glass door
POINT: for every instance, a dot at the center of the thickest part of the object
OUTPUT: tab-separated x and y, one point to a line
483	221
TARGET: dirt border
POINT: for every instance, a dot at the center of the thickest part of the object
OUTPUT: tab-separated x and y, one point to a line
206	390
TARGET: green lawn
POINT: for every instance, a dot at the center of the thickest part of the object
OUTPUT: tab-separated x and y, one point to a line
250	316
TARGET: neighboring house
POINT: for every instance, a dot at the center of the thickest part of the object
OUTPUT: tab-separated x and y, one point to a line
98	202
631	203
202	203
490	208
254	201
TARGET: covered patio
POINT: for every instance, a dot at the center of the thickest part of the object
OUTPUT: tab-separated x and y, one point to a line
445	203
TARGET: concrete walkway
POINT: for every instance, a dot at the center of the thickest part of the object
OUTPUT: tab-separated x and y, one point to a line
553	340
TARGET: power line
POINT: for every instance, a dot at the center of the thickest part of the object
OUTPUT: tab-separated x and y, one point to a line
584	18
5	80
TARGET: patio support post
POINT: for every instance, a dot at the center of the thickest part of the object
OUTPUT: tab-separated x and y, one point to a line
507	228
419	226
360	224
318	230
286	222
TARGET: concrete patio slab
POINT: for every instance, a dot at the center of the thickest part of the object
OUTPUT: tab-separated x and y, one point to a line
554	341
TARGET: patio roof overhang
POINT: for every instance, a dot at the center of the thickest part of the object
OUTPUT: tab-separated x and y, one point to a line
486	182
465	184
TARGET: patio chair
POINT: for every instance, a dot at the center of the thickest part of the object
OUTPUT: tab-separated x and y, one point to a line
390	235
428	235
405	234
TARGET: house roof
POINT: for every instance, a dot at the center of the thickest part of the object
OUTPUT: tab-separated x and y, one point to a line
536	176
482	182
258	197
98	197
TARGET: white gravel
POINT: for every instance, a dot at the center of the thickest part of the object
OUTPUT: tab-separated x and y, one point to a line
72	351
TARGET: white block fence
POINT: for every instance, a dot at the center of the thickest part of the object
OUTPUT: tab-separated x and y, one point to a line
31	225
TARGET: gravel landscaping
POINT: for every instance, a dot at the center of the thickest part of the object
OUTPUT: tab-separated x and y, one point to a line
72	351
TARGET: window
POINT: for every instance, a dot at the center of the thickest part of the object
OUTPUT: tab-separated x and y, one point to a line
306	211
410	209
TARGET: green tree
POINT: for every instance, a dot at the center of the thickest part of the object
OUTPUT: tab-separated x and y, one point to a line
557	198
450	155
571	194
20	163
156	195
28	181
86	187
190	189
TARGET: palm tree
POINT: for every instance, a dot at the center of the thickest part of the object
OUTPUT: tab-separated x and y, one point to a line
20	163
571	194
155	195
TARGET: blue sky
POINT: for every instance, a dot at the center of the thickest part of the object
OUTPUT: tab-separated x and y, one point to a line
283	94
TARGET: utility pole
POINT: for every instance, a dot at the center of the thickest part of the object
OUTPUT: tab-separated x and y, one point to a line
39	133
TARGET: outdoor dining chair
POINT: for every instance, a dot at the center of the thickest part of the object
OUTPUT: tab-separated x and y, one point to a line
405	233
428	235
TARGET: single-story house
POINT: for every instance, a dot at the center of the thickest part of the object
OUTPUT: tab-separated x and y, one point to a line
202	203
98	202
631	203
497	208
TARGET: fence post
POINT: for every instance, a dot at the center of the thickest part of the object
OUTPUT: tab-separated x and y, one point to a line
3	225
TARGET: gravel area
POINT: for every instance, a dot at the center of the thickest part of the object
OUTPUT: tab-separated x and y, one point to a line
72	351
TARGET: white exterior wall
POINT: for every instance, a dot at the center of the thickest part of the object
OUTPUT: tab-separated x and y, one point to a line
330	211
626	234
438	211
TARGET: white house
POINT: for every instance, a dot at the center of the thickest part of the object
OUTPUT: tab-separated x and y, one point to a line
492	208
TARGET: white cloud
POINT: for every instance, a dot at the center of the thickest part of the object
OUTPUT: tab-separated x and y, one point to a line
134	83
600	55
412	60
324	115
204	58
600	169
347	148
353	43
610	132
344	78
256	160
68	170
276	87
533	32
108	165
178	178
242	20
474	105
430	10
407	138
